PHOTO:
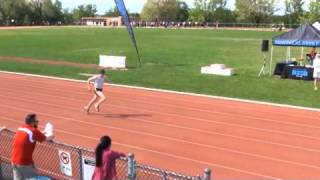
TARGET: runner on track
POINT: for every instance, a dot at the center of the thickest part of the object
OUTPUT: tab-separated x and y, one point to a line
95	85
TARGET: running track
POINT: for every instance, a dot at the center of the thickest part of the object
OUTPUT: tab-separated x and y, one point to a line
237	140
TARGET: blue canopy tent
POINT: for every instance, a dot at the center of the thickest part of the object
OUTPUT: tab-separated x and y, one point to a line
303	36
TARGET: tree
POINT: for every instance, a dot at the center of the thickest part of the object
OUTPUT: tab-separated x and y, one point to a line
67	16
84	11
43	11
12	11
19	12
134	16
58	12
35	11
293	11
224	15
196	15
204	10
4	11
183	13
160	10
47	11
150	11
314	11
255	11
112	12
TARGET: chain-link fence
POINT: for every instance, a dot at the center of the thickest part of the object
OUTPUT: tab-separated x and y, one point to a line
65	162
147	172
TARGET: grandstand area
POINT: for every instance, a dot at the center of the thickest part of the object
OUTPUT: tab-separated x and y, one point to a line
181	132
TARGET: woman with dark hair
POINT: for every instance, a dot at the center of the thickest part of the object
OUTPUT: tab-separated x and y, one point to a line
98	81
105	160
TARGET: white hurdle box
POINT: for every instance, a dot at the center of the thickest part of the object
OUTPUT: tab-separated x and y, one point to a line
113	62
217	69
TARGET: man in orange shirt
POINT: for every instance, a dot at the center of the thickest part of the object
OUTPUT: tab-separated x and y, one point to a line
23	146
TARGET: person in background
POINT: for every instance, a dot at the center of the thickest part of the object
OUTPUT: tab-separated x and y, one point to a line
316	71
105	168
23	146
312	55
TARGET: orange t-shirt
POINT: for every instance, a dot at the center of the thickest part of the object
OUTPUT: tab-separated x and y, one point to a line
24	144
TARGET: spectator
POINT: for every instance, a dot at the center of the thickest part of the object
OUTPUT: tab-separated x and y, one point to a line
23	146
312	55
105	160
316	71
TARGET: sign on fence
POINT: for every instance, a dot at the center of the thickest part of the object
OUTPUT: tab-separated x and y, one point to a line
65	163
88	164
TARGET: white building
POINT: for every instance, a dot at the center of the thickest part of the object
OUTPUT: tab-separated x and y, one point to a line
102	21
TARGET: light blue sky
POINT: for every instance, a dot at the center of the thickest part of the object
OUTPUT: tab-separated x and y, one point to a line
132	5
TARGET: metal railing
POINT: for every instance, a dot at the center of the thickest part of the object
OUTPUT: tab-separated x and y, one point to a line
49	162
215	25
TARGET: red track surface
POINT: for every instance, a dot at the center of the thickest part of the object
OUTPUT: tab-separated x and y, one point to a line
237	140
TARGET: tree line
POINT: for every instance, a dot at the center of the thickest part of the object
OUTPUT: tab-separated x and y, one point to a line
246	11
50	12
41	12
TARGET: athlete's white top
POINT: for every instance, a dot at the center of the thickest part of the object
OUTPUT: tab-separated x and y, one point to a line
99	81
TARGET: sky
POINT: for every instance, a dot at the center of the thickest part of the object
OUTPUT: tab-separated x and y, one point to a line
135	5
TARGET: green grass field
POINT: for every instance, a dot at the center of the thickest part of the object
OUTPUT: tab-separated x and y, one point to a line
171	60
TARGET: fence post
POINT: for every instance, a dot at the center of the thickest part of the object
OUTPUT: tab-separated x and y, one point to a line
0	168
80	162
131	167
207	174
1	171
0	156
164	175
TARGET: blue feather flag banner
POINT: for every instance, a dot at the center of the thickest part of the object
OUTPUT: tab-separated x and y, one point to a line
124	13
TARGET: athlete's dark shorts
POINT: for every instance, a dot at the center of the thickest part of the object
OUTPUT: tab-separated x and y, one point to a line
99	89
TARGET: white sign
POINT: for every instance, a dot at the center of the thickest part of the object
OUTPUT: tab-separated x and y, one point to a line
65	163
112	61
48	129
88	164
217	69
